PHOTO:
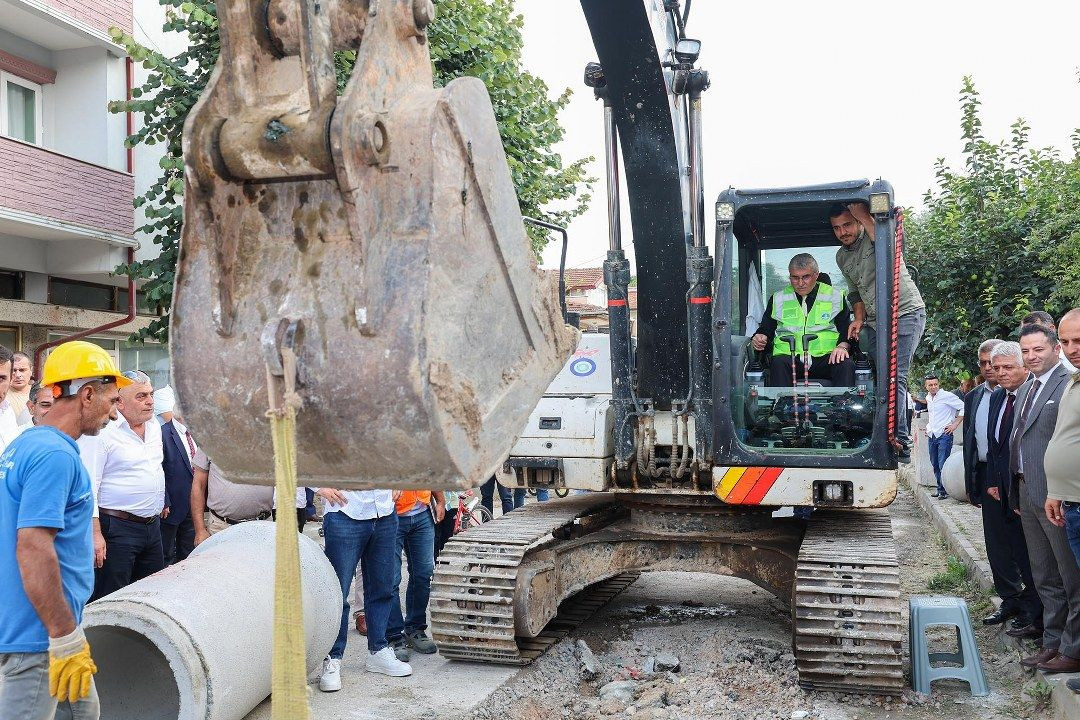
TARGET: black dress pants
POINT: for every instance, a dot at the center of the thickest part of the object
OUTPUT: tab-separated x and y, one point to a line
1007	553
840	375
132	551
177	541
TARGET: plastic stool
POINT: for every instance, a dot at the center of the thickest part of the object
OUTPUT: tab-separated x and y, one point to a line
965	664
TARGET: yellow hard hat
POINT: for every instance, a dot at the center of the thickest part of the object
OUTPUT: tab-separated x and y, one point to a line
80	360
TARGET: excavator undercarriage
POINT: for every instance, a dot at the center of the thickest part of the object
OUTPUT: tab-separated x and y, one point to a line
498	586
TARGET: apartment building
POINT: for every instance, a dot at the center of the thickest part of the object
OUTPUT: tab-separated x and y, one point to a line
66	180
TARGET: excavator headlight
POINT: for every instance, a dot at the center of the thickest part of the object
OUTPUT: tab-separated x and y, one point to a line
879	203
725	212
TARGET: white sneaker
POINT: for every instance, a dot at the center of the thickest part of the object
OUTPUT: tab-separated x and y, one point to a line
386	662
330	680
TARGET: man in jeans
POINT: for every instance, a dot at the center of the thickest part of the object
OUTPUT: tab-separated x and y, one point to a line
853	226
360	526
416	536
944	413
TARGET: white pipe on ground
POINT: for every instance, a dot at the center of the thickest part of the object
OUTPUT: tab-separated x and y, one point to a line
194	641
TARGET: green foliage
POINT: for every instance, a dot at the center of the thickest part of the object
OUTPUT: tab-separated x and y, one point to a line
479	38
173	86
996	241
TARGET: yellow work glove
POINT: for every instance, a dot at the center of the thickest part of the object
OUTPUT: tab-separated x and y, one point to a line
70	667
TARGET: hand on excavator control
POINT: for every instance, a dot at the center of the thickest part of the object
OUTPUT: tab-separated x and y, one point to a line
758	342
838	355
70	667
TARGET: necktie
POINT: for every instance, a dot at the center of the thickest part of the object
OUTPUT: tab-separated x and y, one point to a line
1006	421
190	443
1028	402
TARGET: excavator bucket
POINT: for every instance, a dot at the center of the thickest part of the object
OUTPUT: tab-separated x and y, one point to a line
374	236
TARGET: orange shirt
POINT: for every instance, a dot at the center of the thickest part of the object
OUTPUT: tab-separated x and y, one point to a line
408	499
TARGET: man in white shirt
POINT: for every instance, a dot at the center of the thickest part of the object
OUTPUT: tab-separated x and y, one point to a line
129	485
18	393
944	413
9	424
361	526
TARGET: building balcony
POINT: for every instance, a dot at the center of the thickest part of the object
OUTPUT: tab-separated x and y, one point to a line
50	196
67	24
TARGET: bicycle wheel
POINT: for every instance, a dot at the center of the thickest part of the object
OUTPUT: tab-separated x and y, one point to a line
562	492
478	515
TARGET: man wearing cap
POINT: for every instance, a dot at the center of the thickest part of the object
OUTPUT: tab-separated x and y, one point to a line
46	549
178	450
125	467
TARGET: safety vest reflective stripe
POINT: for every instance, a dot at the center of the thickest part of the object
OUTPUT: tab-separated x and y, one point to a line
792	320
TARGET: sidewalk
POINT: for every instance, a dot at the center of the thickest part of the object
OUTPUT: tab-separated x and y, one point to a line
960	525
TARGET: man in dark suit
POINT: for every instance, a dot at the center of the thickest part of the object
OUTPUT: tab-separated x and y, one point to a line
1057	577
177	530
986	463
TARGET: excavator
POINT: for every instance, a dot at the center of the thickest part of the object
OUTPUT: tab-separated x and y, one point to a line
361	259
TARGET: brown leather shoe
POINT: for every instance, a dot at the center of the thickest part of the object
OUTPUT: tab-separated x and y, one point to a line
361	623
1060	664
1029	632
1043	656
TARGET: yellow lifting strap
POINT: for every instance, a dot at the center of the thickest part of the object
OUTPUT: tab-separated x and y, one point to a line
288	684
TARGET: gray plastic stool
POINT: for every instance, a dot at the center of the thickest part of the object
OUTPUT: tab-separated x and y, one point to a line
965	664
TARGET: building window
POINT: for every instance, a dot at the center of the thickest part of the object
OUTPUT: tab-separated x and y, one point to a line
93	296
20	109
9	337
74	293
151	358
11	285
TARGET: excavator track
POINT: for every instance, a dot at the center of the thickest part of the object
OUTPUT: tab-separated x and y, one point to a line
847	608
472	592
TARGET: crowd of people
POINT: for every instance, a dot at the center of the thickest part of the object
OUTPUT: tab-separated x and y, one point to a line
106	484
1021	451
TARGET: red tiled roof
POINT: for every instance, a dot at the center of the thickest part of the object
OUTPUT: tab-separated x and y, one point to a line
584	278
574	305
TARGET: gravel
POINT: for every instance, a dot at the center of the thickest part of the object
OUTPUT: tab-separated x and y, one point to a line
653	655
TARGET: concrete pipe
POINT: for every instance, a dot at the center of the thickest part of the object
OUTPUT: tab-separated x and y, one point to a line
952	476
194	640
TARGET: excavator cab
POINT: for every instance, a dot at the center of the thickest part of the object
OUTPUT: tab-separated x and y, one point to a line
796	421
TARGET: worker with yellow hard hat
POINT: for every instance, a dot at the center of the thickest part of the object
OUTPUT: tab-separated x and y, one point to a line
46	545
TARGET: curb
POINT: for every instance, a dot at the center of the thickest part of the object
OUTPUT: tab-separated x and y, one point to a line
1064	703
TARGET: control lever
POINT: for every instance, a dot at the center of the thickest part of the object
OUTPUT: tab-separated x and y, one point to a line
806	340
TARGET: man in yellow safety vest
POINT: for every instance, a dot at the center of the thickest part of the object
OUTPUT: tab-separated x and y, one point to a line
807	307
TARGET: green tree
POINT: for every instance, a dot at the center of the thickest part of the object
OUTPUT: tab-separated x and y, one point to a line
992	243
479	38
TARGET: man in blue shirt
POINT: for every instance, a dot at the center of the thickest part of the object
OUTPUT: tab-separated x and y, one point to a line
46	544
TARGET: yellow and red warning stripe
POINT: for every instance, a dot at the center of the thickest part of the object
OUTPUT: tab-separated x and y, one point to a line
746	485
